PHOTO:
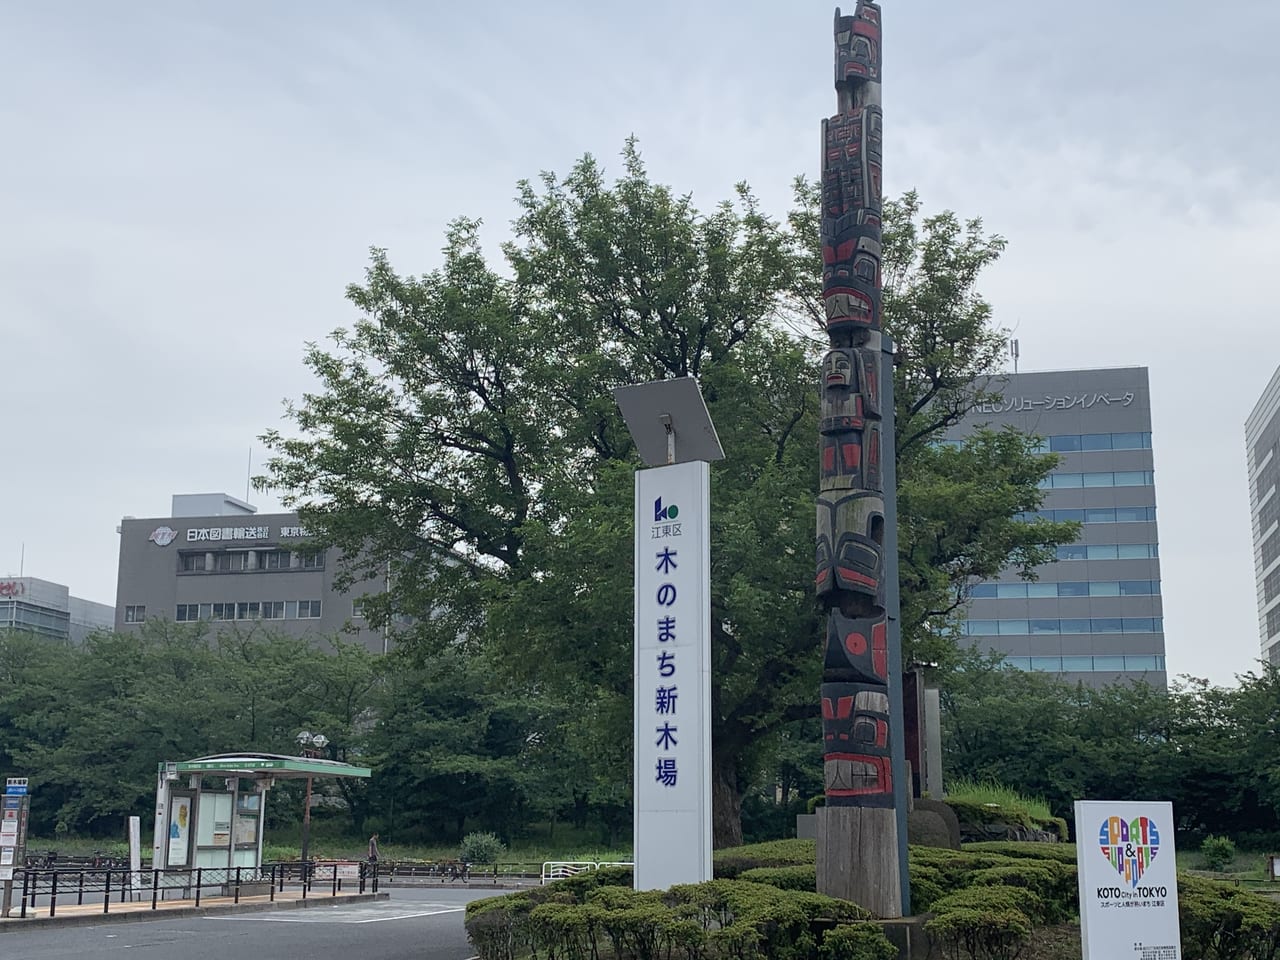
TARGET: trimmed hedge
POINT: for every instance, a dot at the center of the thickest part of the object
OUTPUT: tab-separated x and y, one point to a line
730	863
973	932
987	900
1061	852
1226	922
859	941
574	919
784	878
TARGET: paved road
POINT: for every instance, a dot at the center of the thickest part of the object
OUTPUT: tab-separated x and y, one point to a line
414	923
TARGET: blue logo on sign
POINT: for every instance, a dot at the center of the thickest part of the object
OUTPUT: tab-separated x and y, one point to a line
664	513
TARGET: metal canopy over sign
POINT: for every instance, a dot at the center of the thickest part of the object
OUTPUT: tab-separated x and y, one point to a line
669	422
1128	881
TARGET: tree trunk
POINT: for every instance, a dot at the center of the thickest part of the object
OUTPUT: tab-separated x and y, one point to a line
726	802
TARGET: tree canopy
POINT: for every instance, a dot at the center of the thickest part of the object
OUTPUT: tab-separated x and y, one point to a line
463	437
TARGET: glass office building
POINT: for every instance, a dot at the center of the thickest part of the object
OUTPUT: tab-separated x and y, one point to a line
32	605
1095	615
1262	440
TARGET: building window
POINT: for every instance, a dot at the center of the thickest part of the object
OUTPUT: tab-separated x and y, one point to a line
249	611
1267	478
1270	549
1271	586
1079	626
1124	478
192	562
1273	622
1074	443
357	610
1076	588
229	562
135	614
1109	551
224	611
313	561
1099	515
273	610
308	609
188	612
274	560
1109	664
1269	514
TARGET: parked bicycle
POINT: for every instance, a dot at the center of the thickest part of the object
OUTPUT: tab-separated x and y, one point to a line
41	861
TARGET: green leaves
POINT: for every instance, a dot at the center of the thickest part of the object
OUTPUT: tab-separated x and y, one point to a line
464	439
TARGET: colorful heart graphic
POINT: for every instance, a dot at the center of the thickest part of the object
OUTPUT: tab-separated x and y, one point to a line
1129	846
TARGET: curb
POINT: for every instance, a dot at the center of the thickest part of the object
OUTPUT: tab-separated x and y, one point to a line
142	916
472	885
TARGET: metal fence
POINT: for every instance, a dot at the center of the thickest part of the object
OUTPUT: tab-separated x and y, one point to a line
314	878
560	869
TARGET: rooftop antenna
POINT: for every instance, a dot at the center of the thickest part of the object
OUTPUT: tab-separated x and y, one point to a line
1013	352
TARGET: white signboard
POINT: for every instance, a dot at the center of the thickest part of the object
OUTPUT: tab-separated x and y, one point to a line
672	676
1128	881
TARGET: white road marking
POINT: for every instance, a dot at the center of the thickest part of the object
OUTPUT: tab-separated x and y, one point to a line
409	916
345	915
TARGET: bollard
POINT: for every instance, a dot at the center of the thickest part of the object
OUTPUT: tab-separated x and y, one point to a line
155	887
106	893
236	898
199	883
53	895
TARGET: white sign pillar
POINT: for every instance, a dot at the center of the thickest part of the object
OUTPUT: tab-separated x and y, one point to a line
672	660
1128	881
672	676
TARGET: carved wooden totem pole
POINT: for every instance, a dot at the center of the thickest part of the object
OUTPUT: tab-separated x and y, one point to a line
858	849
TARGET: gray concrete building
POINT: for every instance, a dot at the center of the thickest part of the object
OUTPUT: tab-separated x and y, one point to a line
1095	615
1262	442
216	560
48	610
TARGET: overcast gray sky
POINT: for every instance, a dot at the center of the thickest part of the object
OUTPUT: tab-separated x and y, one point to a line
187	187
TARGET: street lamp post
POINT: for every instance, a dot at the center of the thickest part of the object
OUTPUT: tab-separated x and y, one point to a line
311	745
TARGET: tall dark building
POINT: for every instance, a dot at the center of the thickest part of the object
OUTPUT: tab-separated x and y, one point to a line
1095	615
1262	439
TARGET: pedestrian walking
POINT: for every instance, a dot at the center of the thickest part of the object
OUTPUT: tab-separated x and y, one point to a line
373	849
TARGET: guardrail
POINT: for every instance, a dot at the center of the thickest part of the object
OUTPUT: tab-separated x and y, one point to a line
560	869
190	883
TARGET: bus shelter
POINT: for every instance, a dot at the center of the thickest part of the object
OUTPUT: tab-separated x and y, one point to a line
202	823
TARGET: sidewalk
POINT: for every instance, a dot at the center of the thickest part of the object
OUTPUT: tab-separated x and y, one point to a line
88	914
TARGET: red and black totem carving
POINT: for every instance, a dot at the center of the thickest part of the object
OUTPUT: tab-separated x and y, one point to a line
851	503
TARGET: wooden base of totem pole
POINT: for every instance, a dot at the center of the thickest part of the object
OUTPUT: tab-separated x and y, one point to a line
858	858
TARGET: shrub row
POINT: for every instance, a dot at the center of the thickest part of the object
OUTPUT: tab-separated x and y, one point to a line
986	899
596	914
1221	921
986	902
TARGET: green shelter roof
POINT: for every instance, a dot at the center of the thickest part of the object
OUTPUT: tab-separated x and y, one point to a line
266	764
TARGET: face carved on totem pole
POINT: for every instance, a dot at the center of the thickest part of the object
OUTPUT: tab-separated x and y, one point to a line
837	370
858	45
857	649
855	730
850	547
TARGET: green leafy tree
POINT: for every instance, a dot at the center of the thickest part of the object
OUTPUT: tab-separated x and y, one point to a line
463	436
